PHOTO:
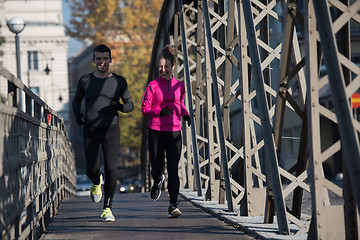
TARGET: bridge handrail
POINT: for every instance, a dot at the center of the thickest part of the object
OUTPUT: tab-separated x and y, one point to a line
37	167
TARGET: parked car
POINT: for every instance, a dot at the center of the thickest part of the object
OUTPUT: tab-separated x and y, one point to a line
130	185
83	185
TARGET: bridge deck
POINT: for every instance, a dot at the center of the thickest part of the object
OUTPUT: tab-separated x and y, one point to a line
137	217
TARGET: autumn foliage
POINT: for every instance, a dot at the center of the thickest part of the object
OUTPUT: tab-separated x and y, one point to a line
128	27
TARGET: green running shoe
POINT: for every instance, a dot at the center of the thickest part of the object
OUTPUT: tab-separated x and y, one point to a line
95	191
107	215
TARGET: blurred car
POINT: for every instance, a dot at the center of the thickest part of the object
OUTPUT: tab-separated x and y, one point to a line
83	185
130	185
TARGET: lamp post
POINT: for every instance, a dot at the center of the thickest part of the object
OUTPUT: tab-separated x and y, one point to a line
16	25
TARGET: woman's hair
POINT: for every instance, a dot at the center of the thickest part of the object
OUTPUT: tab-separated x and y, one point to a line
168	53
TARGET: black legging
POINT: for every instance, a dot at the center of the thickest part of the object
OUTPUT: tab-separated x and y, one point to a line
170	142
109	140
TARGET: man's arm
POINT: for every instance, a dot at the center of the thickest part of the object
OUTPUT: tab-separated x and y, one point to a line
128	105
76	104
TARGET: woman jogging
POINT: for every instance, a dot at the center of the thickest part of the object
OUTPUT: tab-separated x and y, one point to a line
163	104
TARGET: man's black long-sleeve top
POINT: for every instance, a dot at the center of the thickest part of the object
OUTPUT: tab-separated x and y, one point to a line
102	97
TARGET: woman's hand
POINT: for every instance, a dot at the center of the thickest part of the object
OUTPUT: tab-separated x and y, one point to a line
187	119
166	111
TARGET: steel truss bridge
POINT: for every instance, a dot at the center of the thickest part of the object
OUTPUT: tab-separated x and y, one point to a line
247	64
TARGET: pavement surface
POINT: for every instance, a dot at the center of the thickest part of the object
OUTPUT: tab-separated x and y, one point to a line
138	217
252	225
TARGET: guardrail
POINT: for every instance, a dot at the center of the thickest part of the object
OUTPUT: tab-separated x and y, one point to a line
37	166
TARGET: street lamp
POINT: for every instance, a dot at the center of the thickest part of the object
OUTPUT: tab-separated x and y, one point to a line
16	25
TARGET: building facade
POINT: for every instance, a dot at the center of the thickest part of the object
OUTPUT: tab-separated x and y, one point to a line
43	50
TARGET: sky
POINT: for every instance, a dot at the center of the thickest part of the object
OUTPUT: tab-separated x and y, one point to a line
74	44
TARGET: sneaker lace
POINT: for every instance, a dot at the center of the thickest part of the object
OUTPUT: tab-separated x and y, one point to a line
106	212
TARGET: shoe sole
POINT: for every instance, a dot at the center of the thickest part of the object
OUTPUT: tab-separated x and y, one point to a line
161	182
155	199
174	214
96	198
109	219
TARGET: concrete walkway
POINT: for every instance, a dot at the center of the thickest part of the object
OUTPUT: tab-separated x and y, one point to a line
253	225
137	217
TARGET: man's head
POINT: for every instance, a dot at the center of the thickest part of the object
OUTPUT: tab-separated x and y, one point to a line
102	59
102	48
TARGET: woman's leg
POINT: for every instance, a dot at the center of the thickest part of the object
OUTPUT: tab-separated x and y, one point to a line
156	153
173	153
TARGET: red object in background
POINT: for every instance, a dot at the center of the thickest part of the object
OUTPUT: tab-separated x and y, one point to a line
355	100
49	117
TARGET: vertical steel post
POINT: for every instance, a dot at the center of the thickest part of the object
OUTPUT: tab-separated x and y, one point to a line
350	143
188	88
217	106
271	156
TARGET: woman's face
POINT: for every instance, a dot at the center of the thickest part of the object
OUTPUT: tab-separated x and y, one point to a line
166	69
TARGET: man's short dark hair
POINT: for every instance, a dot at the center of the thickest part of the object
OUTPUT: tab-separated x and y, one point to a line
101	48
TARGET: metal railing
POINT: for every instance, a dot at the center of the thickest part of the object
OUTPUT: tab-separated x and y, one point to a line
247	74
37	165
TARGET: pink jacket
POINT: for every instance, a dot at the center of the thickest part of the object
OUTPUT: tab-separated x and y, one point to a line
159	94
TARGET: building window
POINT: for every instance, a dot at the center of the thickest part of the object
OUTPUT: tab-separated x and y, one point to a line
33	61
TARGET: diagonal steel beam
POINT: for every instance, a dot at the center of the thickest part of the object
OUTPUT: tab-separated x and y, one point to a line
271	156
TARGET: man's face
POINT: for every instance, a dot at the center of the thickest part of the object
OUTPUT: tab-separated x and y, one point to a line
102	61
165	68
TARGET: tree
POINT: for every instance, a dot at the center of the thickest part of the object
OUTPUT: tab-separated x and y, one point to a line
130	31
139	27
94	20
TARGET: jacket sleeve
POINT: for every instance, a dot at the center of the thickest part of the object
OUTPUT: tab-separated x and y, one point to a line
184	112
147	103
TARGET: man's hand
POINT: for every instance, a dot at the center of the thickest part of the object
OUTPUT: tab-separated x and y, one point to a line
111	109
166	111
79	119
116	105
187	119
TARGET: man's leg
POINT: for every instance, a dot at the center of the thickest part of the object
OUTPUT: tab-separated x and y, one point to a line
110	146
92	149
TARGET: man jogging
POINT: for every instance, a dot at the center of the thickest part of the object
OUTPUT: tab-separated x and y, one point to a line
102	91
